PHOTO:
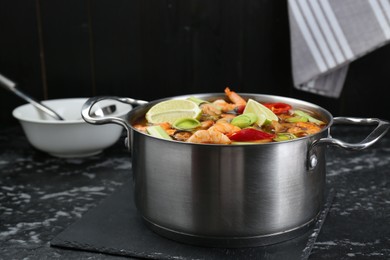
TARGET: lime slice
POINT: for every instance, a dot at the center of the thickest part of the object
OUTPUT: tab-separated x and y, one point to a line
263	113
172	110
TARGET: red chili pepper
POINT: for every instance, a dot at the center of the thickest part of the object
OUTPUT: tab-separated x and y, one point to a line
278	108
250	134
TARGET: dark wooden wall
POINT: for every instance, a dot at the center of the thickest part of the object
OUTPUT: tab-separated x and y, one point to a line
152	49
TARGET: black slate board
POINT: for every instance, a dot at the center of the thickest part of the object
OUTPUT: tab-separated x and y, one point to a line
115	227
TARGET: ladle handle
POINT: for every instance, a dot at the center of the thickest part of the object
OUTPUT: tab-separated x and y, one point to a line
11	86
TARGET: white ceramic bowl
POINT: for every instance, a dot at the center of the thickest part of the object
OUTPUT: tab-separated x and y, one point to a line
72	137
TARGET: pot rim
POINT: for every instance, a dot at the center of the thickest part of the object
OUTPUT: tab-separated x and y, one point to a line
140	111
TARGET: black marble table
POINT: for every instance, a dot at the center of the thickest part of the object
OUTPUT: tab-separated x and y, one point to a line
41	196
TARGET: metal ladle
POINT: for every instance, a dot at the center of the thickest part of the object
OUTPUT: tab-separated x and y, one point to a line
11	86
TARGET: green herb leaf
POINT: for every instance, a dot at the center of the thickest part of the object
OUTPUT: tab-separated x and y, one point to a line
186	124
284	137
196	100
310	118
158	131
296	119
244	120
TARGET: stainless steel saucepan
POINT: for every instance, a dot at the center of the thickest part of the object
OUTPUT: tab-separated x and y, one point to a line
231	195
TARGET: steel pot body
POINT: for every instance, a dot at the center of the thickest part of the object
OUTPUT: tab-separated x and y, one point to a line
229	195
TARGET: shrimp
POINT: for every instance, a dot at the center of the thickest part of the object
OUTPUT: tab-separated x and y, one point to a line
234	97
209	137
140	127
223	105
210	112
278	127
304	128
217	137
215	134
236	100
182	135
210	109
168	128
224	127
165	125
227	117
206	124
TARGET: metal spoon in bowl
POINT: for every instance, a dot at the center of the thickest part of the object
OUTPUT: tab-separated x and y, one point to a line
11	86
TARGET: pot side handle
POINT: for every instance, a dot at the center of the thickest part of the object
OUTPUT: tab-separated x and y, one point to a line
87	106
380	130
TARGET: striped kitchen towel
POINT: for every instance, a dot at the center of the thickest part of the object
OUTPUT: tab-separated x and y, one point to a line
327	35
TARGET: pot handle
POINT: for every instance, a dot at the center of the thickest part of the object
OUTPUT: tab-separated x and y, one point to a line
87	106
380	130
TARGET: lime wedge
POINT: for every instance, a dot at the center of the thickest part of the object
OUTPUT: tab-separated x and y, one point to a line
172	110
262	112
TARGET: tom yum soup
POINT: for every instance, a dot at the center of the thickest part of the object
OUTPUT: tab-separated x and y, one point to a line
232	120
